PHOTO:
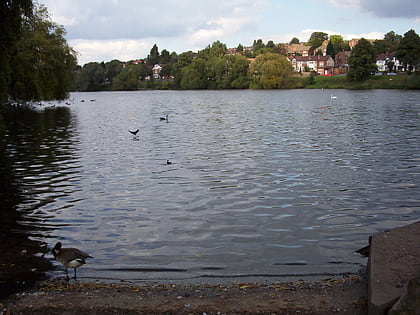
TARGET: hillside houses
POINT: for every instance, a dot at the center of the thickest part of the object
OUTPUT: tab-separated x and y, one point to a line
323	65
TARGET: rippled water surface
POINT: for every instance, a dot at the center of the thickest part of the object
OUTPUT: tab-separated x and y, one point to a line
262	183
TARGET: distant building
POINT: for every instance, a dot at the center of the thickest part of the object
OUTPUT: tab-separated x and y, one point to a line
323	65
299	50
388	62
341	62
157	68
353	42
322	48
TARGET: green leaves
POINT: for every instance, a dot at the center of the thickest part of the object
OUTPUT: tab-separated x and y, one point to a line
409	50
43	64
362	61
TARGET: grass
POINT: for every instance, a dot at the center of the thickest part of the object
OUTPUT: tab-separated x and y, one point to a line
375	82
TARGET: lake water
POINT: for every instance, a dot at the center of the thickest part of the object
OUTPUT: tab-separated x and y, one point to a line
262	185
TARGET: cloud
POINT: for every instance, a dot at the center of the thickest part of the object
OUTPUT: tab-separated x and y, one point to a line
106	50
384	8
111	19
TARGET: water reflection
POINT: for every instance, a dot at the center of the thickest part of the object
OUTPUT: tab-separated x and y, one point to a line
37	167
261	182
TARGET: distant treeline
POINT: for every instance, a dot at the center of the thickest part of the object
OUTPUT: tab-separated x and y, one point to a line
260	66
36	62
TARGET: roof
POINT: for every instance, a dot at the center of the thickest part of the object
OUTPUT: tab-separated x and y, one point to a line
311	58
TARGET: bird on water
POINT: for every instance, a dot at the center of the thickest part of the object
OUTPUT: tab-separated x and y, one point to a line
164	118
168	162
70	257
134	133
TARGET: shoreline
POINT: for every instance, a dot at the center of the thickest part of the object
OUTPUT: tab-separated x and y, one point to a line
347	295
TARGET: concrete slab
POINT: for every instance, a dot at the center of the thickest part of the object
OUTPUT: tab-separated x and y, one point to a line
394	260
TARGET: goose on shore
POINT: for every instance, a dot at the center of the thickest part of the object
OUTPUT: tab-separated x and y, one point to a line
70	257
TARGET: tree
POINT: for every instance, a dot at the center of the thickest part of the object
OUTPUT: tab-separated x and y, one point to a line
270	71
90	77
217	49
154	57
317	38
335	45
295	40
12	14
362	62
43	63
129	78
408	50
165	57
388	44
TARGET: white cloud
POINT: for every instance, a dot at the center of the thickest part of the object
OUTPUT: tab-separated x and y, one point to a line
110	19
106	50
345	3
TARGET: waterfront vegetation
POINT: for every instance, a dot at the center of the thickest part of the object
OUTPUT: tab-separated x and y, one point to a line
36	63
374	82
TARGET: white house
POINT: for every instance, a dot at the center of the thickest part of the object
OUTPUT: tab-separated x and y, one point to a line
384	61
157	68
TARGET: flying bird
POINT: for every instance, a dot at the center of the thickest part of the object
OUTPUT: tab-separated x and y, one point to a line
70	257
134	133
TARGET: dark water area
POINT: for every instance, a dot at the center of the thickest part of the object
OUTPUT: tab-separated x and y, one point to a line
262	185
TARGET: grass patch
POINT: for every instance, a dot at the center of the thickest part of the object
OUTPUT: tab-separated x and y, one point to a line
402	82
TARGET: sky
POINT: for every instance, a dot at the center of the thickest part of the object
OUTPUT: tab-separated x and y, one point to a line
104	30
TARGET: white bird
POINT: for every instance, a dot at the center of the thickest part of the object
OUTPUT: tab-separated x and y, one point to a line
333	97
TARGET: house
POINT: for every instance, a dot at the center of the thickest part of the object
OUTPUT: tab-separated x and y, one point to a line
322	48
353	42
341	63
299	50
388	62
157	68
323	65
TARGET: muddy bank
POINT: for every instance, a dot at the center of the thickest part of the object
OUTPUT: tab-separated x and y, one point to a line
344	296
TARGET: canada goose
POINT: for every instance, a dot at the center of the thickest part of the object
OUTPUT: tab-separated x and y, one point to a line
168	162
166	118
70	257
134	132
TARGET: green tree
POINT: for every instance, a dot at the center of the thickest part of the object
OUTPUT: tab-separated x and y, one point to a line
389	43
194	76
154	56
90	78
330	49
217	49
271	71
165	57
294	40
129	77
317	38
335	45
112	69
408	50
183	61
362	62
11	15
43	63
